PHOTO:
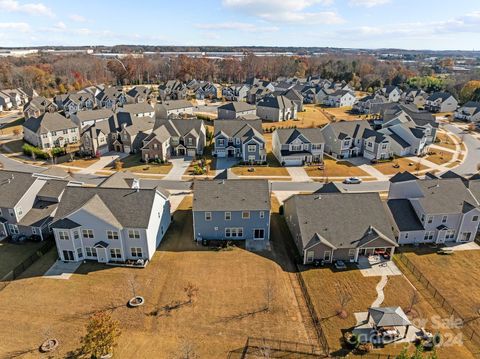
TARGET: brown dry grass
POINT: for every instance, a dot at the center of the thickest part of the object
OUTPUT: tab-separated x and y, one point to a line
323	283
439	157
82	162
445	141
403	163
313	116
230	283
12	255
341	113
133	163
335	169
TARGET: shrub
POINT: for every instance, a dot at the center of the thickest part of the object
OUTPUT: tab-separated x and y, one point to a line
30	150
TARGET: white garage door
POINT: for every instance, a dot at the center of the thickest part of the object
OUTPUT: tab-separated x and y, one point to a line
191	153
293	162
221	153
102	150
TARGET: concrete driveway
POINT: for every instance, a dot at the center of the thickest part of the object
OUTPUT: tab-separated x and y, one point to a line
224	163
180	165
298	174
104	161
62	270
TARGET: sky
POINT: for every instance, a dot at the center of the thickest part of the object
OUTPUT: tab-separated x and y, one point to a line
407	24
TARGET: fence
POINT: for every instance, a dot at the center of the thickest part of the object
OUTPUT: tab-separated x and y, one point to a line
266	348
19	269
313	313
467	330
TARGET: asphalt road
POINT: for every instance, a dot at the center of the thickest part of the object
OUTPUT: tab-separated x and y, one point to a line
472	160
10	117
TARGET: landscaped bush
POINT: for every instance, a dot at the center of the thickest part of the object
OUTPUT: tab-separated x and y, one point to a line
30	150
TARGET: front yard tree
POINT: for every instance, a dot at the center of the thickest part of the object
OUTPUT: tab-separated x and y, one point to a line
101	337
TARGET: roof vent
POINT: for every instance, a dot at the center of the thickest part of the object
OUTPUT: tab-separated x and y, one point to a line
136	184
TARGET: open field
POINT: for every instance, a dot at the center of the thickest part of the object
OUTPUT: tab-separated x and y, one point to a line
439	157
232	286
324	286
12	255
133	163
403	165
313	116
335	169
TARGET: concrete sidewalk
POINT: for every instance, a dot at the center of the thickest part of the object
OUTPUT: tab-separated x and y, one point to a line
62	270
179	166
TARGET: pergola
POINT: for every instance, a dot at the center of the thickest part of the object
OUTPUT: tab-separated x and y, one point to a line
389	317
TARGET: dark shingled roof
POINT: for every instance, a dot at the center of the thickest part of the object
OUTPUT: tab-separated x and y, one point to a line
287	135
237	106
127	207
13	186
231	195
404	215
403	177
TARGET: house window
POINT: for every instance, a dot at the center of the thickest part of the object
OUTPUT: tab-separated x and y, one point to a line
474	218
19	211
79	253
228	216
208	216
87	233
190	141
466	237
428	236
115	253
258	234
384	146
90	252
327	256
429	219
351	253
133	234
252	148
63	235
34	230
11	212
310	256
221	142
296	147
155	146
444	219
65	132
369	144
75	235
246	215
316	147
233	232
13	229
262	214
112	235
423	218
406	235
450	234
136	252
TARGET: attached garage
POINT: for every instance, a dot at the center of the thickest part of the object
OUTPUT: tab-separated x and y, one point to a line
191	153
296	161
102	150
221	153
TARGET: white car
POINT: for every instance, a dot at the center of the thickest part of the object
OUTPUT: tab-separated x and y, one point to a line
352	180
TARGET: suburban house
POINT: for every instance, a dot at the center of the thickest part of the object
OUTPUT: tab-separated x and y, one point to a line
344	139
391	93
277	109
95	139
174	107
110	225
369	104
5	103
295	96
88	118
174	137
133	130
240	139
141	109
236	92
139	94
295	147
17	97
77	102
469	112
233	110
27	203
327	227
340	98
172	90
416	96
208	90
258	90
441	102
50	130
38	106
111	97
232	210
433	210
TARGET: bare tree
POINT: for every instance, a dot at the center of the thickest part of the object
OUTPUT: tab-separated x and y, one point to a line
414	299
269	293
344	297
186	350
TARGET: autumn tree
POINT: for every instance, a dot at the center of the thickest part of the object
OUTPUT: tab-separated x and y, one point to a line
101	337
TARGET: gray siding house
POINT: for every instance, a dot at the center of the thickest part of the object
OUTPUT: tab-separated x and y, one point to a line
233	110
441	102
232	210
110	225
295	147
435	210
242	139
277	109
339	226
469	112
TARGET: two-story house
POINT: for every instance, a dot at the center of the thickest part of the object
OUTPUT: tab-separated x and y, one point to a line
344	139
340	98
172	90
174	137
417	97
469	112
111	97
435	210
50	130
110	225
91	117
295	147
5	103
376	145
77	102
38	106
170	108
242	139
139	94
232	210
441	102
233	110
391	93
236	92
276	109
327	227
369	104
141	109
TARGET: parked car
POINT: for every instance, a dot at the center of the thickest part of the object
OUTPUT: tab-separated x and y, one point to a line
340	265
352	180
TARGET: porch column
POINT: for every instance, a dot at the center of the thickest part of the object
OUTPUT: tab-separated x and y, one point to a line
357	251
392	252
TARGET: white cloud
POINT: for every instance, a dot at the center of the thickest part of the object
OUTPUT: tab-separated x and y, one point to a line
291	11
237	26
17	26
61	25
368	3
77	18
28	8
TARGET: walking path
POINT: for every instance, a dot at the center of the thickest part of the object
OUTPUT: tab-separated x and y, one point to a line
372	171
380	295
298	174
179	166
